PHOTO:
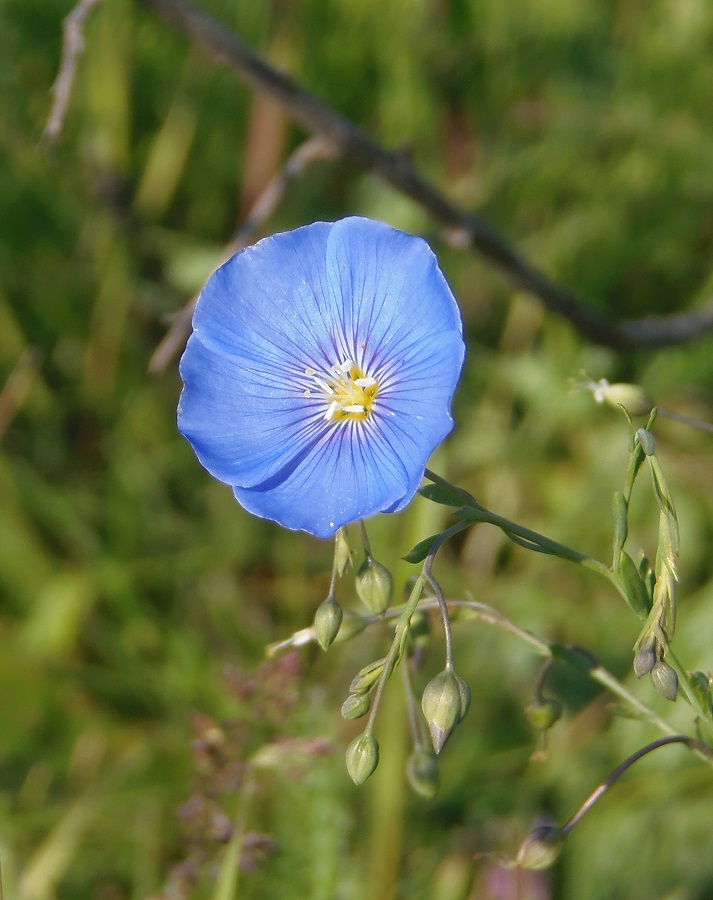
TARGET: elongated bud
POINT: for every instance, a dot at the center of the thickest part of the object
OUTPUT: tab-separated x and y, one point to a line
327	622
374	586
644	661
362	758
633	398
342	552
356	706
367	677
665	680
541	848
543	712
464	690
422	772
442	705
646	440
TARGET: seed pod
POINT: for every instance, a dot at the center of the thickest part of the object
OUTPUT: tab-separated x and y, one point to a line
644	661
665	680
646	439
356	706
422	772
362	757
374	585
327	622
442	705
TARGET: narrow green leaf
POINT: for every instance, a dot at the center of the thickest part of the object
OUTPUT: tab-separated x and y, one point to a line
418	553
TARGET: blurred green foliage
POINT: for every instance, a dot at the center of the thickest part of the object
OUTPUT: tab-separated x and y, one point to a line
136	598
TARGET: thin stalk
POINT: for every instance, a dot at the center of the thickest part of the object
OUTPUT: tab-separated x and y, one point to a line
697	746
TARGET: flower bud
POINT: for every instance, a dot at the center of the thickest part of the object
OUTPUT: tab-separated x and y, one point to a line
362	757
367	677
665	680
442	706
644	661
646	440
633	398
422	772
543	712
464	690
356	706
327	622
541	848
342	552
374	586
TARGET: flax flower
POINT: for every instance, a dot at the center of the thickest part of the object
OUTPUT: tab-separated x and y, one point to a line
319	375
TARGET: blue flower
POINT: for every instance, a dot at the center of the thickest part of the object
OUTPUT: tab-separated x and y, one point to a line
319	375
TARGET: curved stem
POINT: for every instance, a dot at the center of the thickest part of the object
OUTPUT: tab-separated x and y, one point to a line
698	746
436	588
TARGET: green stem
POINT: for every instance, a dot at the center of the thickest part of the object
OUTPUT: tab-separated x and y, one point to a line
697	746
474	512
404	619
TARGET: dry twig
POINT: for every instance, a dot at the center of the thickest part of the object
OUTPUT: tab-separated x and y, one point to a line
72	48
356	147
394	168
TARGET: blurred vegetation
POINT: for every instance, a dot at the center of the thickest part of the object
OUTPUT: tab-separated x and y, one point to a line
136	598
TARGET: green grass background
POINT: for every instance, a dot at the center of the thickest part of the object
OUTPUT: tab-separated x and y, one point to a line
136	598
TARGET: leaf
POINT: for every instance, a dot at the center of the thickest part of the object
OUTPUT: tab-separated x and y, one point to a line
447	495
421	550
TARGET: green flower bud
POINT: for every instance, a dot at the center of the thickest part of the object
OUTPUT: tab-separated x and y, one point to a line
422	772
327	622
374	586
644	661
356	706
442	706
464	689
362	758
367	677
342	552
543	712
665	680
646	440
541	848
633	398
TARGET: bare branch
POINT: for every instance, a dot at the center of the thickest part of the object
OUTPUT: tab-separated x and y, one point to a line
354	145
316	148
72	48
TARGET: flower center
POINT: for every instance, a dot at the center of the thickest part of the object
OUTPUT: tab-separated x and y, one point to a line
349	392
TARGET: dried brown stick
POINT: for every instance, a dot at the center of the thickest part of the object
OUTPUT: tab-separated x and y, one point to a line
316	148
72	47
354	145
